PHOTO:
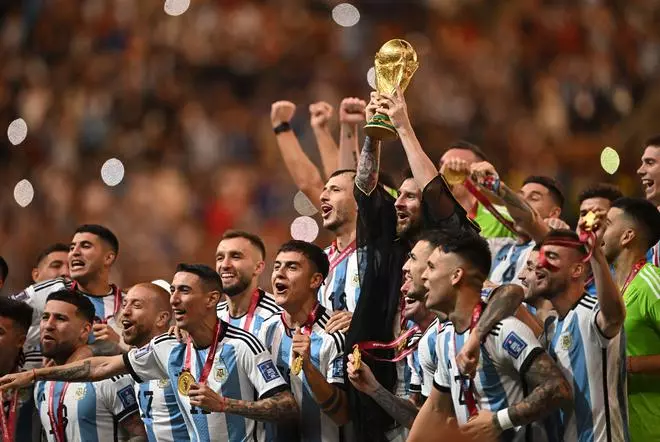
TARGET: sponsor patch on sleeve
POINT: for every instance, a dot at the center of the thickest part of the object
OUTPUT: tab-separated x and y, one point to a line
268	371
338	368
142	351
23	296
127	396
514	344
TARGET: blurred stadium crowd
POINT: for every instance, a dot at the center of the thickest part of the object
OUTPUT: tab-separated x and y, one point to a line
184	102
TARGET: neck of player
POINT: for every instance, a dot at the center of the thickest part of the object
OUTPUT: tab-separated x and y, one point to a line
345	235
564	302
8	363
466	300
239	305
202	335
623	264
297	315
96	286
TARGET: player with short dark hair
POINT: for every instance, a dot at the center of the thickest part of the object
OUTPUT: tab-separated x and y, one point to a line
52	262
4	272
649	173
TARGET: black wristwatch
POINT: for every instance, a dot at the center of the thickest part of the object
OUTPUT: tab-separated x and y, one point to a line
282	127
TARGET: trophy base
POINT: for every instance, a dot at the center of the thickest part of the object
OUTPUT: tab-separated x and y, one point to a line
380	128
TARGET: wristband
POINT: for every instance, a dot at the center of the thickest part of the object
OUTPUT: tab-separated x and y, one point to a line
504	419
34	375
282	127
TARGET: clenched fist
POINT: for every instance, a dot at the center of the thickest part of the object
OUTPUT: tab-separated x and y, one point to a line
281	112
320	114
352	111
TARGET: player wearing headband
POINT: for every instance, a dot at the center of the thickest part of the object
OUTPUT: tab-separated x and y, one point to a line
632	225
239	260
310	358
649	173
586	338
512	361
92	253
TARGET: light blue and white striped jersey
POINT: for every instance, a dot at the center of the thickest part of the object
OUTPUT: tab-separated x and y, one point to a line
160	412
595	366
341	288
509	258
37	294
266	307
506	354
428	357
90	410
653	255
327	355
242	369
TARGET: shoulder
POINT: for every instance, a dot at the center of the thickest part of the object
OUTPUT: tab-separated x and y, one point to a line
239	338
586	305
336	341
221	306
271	323
267	302
648	280
43	288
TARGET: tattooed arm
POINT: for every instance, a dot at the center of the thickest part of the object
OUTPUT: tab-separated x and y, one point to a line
402	410
278	408
368	166
432	418
351	113
330	397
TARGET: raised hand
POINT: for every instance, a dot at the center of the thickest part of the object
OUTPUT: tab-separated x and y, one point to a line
352	111
372	106
394	106
363	378
281	112
320	114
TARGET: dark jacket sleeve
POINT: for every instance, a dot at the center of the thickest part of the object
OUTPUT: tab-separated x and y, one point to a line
440	210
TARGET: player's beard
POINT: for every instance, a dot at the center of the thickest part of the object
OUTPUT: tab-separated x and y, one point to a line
338	221
238	288
59	352
555	287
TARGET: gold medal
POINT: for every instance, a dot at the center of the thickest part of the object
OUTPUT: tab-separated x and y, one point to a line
453	177
296	367
357	358
186	379
589	221
402	345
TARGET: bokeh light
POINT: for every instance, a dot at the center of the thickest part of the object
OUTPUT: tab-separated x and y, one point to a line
346	15
176	7
303	205
304	228
17	131
112	172
609	160
371	77
23	193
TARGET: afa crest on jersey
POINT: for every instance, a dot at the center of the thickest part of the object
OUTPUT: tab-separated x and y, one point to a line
220	373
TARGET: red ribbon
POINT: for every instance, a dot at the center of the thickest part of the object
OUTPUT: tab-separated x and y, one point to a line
253	307
483	199
8	423
56	416
307	326
633	272
376	345
467	385
209	358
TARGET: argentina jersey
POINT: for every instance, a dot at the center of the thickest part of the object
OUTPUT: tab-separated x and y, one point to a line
653	255
408	380
509	258
341	288
506	354
90	410
595	367
160	412
327	355
242	369
264	308
428	357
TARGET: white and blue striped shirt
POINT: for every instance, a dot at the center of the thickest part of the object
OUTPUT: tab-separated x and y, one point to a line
595	366
327	355
508	259
90	410
428	356
653	255
242	369
160	412
266	307
341	288
507	352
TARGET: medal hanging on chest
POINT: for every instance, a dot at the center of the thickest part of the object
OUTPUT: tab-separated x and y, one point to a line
186	378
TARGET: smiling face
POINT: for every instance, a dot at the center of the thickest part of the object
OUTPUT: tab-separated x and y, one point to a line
649	172
295	280
239	264
527	277
190	301
62	330
338	206
144	315
88	256
413	285
439	279
54	265
408	207
567	268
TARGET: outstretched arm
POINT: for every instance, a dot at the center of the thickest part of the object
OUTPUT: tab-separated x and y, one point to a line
304	173
320	115
351	114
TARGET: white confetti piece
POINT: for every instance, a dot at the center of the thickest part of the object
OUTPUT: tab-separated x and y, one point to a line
303	205
176	7
346	15
112	172
609	160
24	193
371	77
304	228
17	131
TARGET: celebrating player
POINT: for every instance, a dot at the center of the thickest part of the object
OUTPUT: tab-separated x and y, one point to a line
52	263
649	172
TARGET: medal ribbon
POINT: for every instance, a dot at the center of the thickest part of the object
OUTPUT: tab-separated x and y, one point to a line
55	415
467	385
116	292
306	328
209	358
334	262
483	199
256	295
633	272
376	345
8	423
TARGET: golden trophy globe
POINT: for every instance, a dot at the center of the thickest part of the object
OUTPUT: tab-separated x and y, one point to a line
394	64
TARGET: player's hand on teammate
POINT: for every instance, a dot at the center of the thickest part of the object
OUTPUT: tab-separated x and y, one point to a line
281	112
13	381
363	378
339	321
352	111
180	334
320	114
204	397
103	332
301	345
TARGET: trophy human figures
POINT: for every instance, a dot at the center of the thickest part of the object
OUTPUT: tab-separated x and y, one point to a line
395	63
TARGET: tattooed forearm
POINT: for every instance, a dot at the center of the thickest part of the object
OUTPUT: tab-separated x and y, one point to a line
76	372
550	391
518	207
280	407
401	410
503	303
368	166
348	146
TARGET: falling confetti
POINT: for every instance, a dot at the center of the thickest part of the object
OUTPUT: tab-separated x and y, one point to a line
609	160
176	7
371	77
17	131
23	193
346	15
303	205
112	172
304	228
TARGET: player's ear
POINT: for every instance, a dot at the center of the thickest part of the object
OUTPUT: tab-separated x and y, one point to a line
261	265
214	298
457	275
317	280
35	274
109	258
627	237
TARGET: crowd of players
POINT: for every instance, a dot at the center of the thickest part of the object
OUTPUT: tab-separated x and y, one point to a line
428	317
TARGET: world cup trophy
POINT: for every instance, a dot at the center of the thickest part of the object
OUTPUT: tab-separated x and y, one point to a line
395	63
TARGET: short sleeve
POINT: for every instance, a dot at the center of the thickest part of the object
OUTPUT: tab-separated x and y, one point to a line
442	376
415	373
334	346
262	371
515	343
597	334
144	363
118	395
